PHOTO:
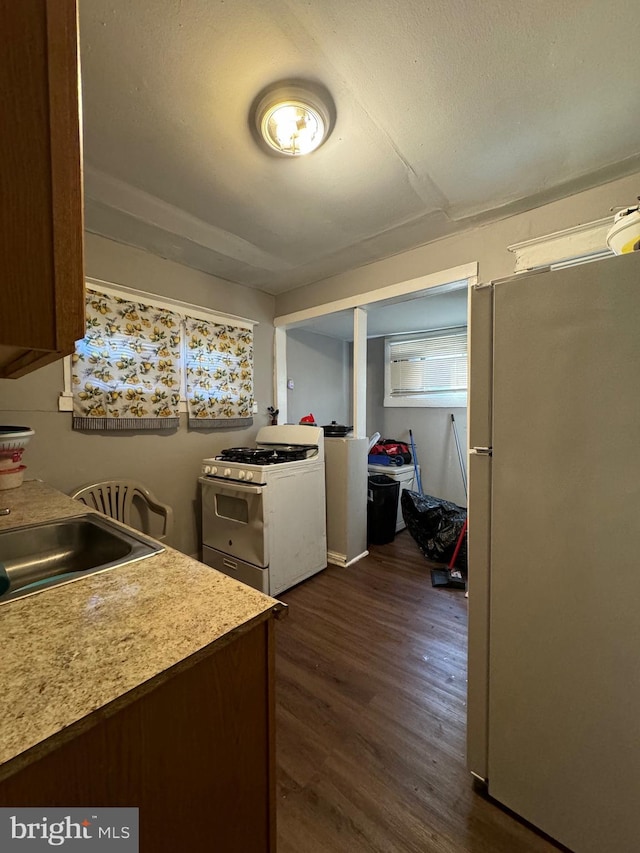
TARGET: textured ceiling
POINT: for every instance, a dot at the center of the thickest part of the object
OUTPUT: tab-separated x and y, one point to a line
449	113
439	308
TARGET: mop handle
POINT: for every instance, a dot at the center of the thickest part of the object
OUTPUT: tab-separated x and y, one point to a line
455	435
415	463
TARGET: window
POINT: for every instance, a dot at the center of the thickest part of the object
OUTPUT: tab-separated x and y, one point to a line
427	369
126	370
144	360
219	362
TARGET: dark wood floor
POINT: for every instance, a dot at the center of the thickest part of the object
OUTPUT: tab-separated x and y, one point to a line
371	704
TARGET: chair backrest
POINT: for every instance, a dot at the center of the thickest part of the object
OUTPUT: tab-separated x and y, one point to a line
115	498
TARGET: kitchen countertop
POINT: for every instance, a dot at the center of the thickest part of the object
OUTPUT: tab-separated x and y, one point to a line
79	651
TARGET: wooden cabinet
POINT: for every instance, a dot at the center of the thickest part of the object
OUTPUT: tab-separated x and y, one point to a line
195	754
41	226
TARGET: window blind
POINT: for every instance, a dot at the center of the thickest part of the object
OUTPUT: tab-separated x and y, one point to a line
434	364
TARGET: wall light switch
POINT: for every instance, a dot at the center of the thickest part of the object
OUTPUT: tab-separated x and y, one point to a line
254	409
290	384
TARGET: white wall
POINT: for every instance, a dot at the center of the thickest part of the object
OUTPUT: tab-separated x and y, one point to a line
320	369
486	245
169	464
432	432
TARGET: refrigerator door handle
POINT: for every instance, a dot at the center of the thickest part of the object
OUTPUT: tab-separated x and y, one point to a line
482	451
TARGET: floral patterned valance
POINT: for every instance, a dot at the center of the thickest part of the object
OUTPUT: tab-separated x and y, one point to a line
126	371
219	362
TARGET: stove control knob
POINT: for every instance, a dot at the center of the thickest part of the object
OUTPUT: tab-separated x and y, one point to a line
241	475
213	470
249	475
206	469
226	472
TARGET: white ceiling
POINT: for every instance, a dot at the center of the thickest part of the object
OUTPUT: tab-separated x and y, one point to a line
449	113
437	308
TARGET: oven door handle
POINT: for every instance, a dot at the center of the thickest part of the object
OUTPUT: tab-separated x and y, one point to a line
231	486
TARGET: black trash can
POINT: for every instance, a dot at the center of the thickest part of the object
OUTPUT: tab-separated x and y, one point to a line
382	509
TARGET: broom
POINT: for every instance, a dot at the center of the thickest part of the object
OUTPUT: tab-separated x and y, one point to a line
452	577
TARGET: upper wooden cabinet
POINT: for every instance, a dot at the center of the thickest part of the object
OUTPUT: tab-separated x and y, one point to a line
41	226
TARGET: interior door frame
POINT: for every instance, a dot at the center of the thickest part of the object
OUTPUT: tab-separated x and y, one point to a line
458	277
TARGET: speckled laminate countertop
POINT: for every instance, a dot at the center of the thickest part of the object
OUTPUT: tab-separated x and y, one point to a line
91	646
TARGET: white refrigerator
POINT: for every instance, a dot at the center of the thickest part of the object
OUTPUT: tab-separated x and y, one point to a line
554	550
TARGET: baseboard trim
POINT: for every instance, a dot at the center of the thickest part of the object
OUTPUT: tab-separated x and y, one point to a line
341	559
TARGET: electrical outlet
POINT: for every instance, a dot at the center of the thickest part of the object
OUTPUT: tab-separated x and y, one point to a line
290	384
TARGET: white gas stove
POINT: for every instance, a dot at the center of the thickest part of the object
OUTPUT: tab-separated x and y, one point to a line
263	508
285	445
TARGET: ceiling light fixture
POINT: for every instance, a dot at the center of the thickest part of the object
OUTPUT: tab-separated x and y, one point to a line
292	118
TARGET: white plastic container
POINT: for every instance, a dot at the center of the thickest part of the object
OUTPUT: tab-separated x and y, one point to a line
14	437
11	459
11	478
624	234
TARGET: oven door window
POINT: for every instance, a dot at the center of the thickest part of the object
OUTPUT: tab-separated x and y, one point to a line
233	508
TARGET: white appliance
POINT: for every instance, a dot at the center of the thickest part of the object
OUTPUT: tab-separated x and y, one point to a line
346	479
403	474
263	509
554	550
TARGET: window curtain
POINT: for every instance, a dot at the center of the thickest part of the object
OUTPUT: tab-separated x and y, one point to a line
126	370
219	375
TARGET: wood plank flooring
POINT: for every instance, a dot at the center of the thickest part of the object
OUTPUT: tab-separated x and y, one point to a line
371	705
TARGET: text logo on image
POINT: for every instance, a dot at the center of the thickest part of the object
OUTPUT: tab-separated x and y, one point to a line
100	829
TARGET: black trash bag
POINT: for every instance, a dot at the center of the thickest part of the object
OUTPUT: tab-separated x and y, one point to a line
435	524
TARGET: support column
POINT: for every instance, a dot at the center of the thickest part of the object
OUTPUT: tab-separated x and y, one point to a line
359	372
280	373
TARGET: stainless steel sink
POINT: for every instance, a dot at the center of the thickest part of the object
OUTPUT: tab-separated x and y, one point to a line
41	556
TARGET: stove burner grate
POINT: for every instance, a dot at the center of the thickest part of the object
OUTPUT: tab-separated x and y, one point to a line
246	454
263	456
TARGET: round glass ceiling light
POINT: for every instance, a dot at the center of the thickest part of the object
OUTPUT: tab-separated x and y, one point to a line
293	120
